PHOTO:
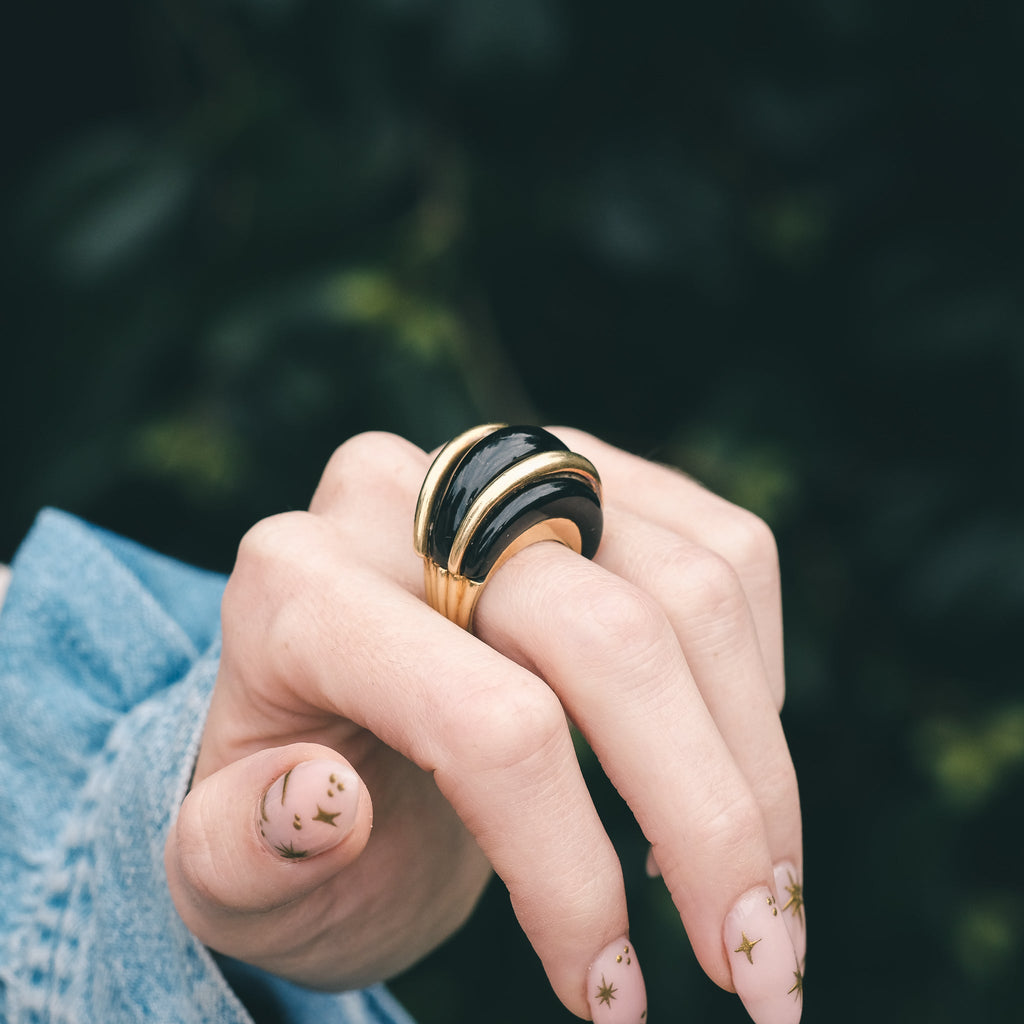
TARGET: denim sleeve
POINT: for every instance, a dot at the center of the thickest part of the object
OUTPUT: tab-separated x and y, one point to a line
108	654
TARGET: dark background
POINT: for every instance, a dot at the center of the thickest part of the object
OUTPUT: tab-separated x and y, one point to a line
776	244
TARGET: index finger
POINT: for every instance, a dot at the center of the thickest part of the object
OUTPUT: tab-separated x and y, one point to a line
493	734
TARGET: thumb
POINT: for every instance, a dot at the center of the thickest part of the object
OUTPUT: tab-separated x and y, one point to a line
262	833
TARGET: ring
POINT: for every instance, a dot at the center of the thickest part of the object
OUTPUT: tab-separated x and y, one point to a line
491	492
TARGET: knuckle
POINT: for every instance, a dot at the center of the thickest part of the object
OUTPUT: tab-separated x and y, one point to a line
268	553
368	472
731	826
496	728
618	621
273	563
271	541
368	456
712	584
750	545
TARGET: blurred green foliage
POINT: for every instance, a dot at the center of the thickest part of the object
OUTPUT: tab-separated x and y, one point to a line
777	245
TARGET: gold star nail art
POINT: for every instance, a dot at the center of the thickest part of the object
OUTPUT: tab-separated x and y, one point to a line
293	809
325	816
798	985
290	853
605	992
795	903
746	947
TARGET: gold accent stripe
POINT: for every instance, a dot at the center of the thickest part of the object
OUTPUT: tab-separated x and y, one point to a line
441	468
512	480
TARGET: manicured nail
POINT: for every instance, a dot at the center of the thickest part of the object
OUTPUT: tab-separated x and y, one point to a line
651	865
765	969
309	809
615	986
789	886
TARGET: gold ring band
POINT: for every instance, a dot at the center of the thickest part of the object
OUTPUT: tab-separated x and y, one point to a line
491	492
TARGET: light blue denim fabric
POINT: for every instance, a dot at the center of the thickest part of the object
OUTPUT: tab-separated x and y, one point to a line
107	658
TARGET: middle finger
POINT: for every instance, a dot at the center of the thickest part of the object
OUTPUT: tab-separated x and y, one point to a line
612	656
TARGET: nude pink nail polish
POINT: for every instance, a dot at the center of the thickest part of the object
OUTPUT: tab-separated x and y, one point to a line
309	809
789	886
765	969
615	986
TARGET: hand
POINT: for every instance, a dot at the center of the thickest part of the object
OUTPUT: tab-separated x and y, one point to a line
666	651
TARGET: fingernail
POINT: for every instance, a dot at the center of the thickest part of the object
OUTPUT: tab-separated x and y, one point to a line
651	865
309	809
615	986
764	966
789	885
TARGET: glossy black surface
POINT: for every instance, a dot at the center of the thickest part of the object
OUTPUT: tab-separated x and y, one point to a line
551	498
484	461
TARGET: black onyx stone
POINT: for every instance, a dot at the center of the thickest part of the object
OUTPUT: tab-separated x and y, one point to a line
482	463
566	497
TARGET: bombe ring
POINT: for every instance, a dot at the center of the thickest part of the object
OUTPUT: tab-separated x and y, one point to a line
491	492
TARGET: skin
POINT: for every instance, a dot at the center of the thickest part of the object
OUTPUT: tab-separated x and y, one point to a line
666	651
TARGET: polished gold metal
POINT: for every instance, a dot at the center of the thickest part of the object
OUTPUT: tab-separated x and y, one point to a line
454	597
447	459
